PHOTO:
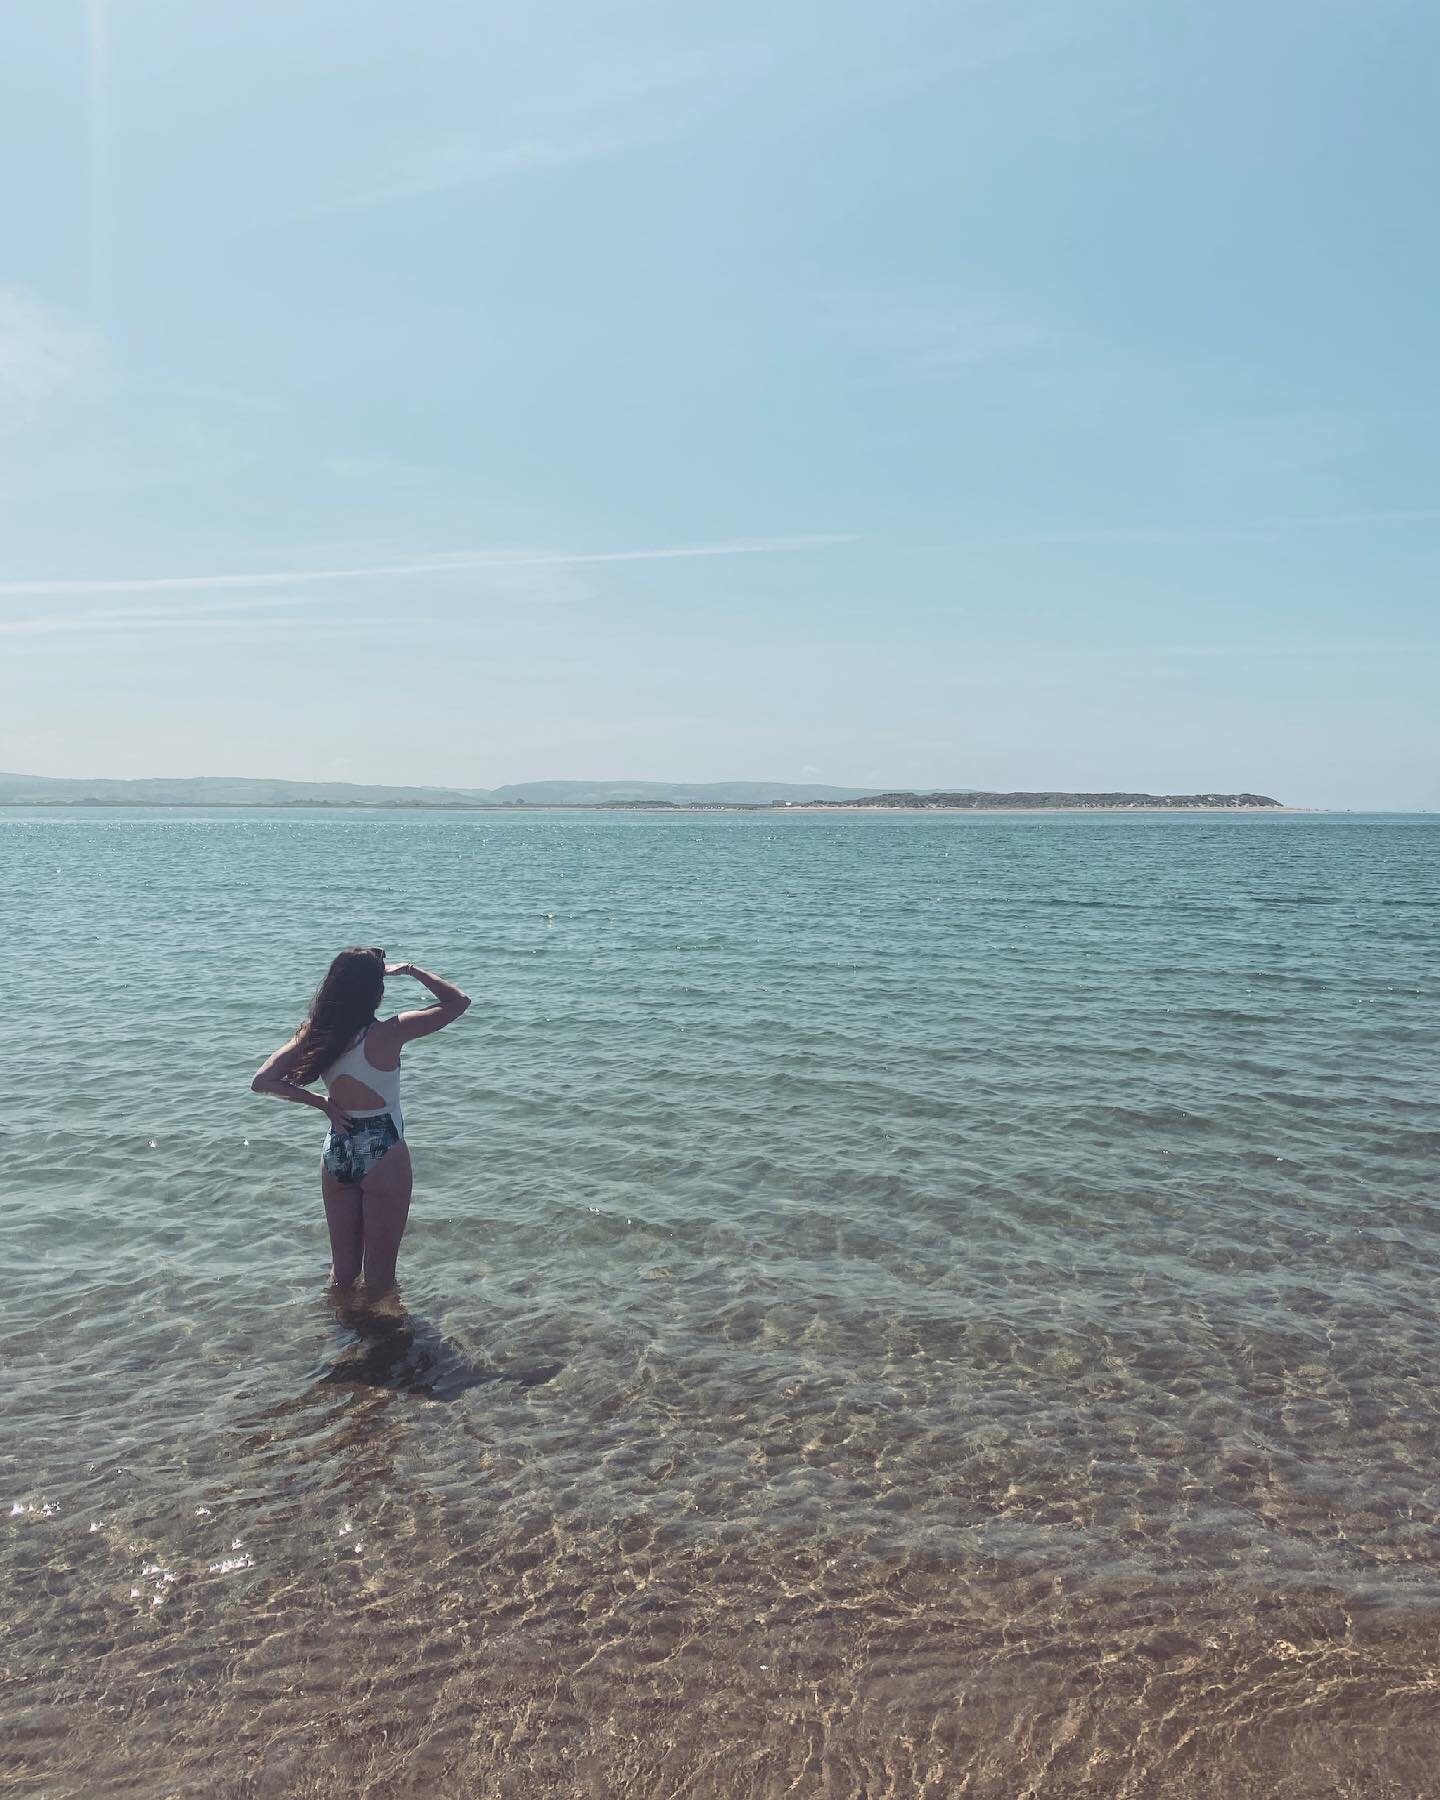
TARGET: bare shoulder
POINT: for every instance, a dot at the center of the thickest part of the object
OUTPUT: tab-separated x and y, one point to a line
384	1041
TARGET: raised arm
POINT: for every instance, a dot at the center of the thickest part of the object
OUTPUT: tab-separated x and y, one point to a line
449	1004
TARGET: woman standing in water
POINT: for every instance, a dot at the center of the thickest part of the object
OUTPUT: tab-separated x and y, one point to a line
365	1166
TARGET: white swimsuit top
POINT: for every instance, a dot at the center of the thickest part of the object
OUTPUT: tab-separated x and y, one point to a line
384	1082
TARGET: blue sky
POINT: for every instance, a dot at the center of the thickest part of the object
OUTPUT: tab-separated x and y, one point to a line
967	394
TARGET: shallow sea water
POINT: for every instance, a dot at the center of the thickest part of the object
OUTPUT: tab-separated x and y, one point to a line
893	1306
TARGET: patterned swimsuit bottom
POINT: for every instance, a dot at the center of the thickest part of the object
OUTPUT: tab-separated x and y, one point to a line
351	1155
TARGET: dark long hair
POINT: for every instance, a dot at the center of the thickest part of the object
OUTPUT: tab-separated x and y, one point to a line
344	1004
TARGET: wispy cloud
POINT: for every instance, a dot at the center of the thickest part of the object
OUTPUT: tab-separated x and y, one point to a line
391	471
1217	531
200	615
1393	516
462	164
598	104
44	355
596	111
1261	446
575	733
911	47
933	335
1240	650
456	562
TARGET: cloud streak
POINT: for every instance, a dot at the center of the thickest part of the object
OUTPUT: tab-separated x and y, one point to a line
933	336
597	104
1239	531
470	165
458	562
145	618
602	110
44	356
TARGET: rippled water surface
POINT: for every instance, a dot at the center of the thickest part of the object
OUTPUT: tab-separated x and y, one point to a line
893	1306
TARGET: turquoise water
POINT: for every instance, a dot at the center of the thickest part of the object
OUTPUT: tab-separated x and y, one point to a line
893	1305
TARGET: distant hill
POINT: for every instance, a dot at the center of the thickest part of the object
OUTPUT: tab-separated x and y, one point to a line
226	790
223	790
676	793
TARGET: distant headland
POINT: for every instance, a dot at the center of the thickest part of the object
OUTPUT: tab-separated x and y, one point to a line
975	800
628	796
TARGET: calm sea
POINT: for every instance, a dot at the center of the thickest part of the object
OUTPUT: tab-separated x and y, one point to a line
893	1306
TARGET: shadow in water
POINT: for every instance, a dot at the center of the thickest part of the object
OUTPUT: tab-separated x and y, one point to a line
393	1349
340	1422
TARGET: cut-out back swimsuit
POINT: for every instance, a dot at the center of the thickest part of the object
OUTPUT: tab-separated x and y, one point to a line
350	1155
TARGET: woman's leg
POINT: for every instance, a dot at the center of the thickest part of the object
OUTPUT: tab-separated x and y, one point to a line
345	1215
386	1196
